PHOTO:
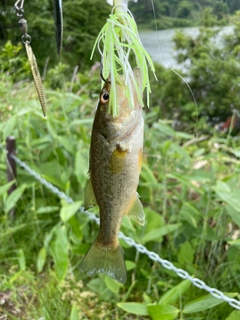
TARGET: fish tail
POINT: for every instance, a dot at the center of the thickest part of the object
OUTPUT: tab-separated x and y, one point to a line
100	259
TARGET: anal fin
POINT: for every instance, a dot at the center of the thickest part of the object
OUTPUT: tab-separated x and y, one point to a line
136	211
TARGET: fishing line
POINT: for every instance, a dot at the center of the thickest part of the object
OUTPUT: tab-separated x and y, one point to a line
168	66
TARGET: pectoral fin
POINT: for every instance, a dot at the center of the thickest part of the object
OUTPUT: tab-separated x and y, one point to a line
89	200
118	160
136	211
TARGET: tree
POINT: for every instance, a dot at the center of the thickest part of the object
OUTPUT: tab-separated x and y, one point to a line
82	23
184	9
233	5
220	9
214	72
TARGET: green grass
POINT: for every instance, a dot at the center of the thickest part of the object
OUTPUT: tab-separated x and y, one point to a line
189	189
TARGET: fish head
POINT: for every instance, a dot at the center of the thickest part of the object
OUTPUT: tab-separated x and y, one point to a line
125	110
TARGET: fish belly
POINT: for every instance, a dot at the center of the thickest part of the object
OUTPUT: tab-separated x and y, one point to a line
115	191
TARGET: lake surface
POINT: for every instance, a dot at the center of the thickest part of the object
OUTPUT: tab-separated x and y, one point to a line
160	46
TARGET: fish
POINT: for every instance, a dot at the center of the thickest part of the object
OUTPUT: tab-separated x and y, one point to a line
36	76
114	167
58	22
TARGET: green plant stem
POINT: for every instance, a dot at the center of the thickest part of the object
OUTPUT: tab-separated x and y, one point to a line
164	207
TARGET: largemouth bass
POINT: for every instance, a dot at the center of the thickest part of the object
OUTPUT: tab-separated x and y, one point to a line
115	164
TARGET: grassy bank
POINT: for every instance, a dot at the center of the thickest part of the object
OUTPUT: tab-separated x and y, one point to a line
189	188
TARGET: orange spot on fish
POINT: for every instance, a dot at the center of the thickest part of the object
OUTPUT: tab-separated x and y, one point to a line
117	160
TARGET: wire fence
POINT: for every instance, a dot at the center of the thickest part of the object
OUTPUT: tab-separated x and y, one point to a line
140	248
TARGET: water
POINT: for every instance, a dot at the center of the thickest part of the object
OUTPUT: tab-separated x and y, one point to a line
160	45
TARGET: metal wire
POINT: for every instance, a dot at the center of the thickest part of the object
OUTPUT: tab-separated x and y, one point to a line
140	248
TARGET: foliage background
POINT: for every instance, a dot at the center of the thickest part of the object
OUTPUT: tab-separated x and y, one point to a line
189	183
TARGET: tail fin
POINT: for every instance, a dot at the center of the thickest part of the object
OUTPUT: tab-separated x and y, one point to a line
104	260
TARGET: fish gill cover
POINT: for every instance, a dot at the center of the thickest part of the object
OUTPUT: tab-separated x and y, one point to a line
119	43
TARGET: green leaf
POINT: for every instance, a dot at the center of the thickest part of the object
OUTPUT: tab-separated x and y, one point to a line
190	214
67	143
163	312
185	181
134	307
174	294
147	175
153	220
127	223
184	135
186	253
233	214
47	209
182	156
14	197
231	197
48	237
16	276
8	130
41	143
68	210
235	315
5	187
54	181
78	122
60	252
21	259
81	165
235	242
74	313
205	302
157	234
112	285
164	129
11	231
97	285
79	249
41	259
130	265
52	127
76	228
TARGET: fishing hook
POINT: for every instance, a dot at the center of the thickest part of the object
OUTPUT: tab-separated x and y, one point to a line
101	74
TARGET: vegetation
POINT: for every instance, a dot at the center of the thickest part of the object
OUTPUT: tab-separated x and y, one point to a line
189	187
79	34
189	196
183	13
212	70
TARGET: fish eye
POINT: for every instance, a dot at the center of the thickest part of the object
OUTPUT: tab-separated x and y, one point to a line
104	97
